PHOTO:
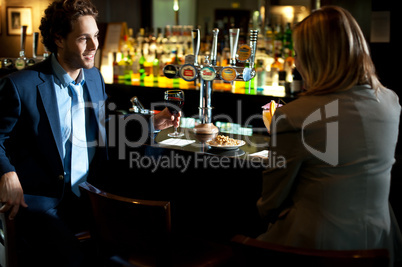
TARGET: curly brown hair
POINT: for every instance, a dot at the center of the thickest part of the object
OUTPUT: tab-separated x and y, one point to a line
59	17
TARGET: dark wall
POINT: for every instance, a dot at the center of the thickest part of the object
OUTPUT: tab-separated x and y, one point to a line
137	13
361	11
383	55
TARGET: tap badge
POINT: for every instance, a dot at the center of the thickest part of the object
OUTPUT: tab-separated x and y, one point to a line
170	71
244	53
228	74
188	72
208	73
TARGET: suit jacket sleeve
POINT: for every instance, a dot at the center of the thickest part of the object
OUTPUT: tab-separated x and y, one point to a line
9	113
285	157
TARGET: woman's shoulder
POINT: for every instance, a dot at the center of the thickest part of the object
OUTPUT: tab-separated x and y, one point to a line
356	93
307	104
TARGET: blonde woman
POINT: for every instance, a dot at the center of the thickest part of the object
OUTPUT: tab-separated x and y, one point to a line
339	141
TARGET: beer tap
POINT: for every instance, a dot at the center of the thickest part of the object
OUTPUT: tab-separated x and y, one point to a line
249	72
229	73
234	39
195	34
210	71
253	45
207	75
214	48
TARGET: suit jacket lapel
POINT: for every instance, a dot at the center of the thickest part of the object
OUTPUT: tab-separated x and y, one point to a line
95	93
49	100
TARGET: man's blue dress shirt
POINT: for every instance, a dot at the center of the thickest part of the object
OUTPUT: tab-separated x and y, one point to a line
64	99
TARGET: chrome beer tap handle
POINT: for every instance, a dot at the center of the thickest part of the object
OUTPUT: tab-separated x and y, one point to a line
214	49
195	34
234	39
253	46
249	72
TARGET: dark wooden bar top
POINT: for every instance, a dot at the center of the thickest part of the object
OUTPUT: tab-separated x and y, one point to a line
213	192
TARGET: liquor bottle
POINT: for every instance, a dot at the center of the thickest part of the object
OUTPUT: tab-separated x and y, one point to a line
20	62
276	68
289	65
35	44
166	42
175	57
155	69
8	64
121	66
130	41
278	42
297	83
159	41
152	46
142	67
115	68
288	53
32	61
260	72
277	64
269	41
135	67
148	65
287	41
140	38
45	54
128	68
225	58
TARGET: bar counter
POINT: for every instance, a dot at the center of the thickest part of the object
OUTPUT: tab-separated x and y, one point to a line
213	192
212	196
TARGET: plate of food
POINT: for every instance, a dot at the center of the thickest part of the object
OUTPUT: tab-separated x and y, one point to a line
225	142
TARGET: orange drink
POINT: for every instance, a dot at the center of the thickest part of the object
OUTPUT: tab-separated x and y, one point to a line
268	112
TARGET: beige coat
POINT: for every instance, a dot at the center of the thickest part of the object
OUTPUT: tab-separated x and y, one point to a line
333	192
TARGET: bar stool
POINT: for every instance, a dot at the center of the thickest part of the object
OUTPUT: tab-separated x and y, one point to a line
253	252
8	251
138	231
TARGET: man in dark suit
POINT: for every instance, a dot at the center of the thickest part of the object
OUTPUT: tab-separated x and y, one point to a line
39	166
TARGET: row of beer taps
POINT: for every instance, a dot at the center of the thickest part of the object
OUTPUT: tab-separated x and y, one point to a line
209	71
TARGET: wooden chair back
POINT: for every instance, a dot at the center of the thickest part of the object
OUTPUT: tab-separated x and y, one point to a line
127	224
8	249
253	252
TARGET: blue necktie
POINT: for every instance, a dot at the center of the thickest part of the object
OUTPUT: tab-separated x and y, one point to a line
79	150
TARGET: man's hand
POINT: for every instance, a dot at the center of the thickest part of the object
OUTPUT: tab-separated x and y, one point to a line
11	194
165	119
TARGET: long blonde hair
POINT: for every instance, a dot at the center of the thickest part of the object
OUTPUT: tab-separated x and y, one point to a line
332	52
